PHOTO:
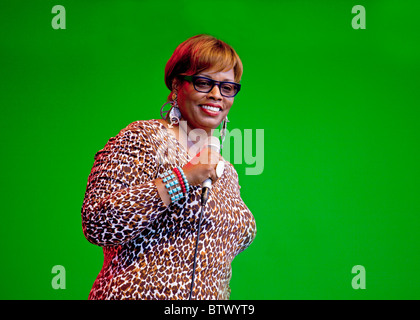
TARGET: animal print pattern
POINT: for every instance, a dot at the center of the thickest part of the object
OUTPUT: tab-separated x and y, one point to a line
149	247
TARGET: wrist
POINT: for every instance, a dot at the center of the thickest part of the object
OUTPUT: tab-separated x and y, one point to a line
175	183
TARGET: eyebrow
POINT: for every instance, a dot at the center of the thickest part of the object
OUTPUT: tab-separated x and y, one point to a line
210	77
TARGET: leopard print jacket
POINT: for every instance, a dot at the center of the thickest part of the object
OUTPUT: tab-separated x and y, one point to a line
148	246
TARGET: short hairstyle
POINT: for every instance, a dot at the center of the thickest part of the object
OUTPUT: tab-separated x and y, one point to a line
199	53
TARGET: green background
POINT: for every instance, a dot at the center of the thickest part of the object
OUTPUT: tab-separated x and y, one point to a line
339	109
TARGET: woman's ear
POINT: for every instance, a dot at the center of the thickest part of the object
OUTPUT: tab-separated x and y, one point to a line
174	92
175	84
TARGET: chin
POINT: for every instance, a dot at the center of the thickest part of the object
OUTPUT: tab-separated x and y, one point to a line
210	125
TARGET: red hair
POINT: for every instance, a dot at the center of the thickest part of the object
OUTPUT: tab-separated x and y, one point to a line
199	53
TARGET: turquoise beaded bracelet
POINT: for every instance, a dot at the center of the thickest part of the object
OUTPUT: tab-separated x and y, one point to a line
172	184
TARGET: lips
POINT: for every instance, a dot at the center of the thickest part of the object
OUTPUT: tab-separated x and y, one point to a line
211	109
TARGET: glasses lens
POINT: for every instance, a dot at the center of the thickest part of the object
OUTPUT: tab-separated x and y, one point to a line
202	84
228	89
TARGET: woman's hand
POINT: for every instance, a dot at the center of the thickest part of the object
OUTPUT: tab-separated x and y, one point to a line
202	167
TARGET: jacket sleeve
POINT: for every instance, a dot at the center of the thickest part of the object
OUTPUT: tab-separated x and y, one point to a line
121	198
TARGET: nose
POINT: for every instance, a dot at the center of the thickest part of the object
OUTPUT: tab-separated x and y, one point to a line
215	93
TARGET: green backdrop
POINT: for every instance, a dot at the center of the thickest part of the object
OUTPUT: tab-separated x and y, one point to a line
338	106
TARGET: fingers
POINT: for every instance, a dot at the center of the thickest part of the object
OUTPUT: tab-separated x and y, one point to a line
212	173
209	156
197	173
202	167
209	159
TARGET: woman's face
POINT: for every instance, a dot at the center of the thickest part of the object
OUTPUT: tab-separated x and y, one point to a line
194	105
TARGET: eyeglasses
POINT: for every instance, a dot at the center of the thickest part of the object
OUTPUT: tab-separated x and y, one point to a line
205	85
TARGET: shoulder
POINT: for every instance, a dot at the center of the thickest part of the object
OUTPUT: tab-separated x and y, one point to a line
144	126
138	133
142	129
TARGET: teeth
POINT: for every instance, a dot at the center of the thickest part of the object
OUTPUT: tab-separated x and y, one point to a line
214	109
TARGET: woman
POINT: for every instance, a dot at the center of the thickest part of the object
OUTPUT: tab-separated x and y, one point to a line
142	202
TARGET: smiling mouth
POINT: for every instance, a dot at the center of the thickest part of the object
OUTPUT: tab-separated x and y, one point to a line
210	108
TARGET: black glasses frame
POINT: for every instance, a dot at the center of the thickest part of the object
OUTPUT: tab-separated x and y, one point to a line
213	83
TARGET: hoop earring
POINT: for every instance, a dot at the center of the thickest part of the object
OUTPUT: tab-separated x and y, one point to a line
173	115
223	131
